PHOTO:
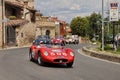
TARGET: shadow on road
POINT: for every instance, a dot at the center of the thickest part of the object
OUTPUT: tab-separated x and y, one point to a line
49	65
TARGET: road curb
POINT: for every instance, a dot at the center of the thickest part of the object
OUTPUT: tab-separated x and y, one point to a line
100	55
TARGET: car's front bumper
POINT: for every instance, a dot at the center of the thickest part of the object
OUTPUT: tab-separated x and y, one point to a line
58	60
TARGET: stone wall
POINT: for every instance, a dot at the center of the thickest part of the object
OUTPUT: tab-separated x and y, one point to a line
84	40
25	34
42	31
101	54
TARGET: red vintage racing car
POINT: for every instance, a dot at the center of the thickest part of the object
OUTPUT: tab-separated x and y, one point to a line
58	40
49	53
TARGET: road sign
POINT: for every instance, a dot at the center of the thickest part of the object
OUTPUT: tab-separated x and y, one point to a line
113	11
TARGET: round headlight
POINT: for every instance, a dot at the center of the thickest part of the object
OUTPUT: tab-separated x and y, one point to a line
46	53
71	53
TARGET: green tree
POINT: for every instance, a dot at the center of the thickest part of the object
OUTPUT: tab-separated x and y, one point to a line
94	24
79	26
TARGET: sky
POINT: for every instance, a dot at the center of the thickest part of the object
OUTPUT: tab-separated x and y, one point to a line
66	10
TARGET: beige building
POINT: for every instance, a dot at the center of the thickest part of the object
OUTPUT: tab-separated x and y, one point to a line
18	26
23	25
45	27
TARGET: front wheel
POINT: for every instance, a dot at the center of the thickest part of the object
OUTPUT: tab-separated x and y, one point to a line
39	60
69	64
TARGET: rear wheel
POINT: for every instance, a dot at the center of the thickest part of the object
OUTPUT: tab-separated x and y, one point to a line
30	56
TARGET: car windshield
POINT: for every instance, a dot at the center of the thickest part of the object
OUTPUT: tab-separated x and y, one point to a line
43	37
38	41
53	46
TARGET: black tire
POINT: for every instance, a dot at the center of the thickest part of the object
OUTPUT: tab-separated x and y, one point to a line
69	42
69	64
30	56
63	43
74	43
39	59
77	42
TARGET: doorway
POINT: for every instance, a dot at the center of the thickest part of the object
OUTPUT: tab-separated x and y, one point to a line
48	33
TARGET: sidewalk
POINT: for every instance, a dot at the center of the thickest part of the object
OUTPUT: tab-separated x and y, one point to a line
91	51
14	47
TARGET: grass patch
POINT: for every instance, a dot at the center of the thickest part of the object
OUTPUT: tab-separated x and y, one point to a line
108	47
117	51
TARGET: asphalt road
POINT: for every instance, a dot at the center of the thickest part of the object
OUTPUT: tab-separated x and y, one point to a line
15	65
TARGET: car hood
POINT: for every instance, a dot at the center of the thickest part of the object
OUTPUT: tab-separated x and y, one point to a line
55	50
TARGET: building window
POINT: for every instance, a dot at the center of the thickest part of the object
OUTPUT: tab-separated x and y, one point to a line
16	33
22	35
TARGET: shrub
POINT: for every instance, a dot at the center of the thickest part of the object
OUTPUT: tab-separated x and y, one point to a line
107	47
12	17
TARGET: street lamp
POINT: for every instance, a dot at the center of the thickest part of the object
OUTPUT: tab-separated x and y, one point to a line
102	24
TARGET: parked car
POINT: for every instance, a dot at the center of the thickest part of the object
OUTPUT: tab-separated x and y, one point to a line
68	40
43	38
48	53
109	39
58	40
76	39
72	39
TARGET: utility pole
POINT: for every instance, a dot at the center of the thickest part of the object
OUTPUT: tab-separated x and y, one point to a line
114	44
102	25
2	25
